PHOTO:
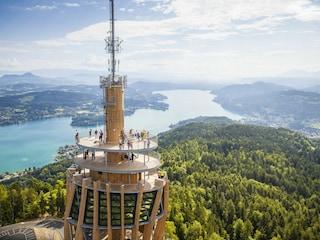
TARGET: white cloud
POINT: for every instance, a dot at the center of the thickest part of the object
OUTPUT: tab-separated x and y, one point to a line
95	32
95	60
9	62
217	38
161	6
92	33
304	10
41	8
211	35
275	52
72	4
213	19
99	31
130	10
56	42
226	14
12	49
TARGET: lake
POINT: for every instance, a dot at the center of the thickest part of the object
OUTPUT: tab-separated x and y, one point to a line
34	144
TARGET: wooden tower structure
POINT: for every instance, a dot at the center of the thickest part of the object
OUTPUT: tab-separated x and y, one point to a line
115	188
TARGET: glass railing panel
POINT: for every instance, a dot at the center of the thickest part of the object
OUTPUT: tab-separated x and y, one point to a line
130	201
103	211
88	217
74	213
147	205
115	209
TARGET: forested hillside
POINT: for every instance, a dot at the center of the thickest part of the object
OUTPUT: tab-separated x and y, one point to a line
38	192
227	181
241	182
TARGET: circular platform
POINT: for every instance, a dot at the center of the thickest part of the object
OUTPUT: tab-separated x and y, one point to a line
132	145
140	163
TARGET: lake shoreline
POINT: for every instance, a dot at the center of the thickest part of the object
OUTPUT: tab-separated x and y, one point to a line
35	143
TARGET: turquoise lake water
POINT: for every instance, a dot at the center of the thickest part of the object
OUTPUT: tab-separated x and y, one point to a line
34	144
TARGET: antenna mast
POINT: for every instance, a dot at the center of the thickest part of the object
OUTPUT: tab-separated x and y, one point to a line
112	50
113	43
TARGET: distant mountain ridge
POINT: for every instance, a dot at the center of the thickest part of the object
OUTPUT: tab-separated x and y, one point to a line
261	102
315	88
249	90
306	80
273	105
28	77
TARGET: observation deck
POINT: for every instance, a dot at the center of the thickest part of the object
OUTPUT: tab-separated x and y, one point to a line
140	163
115	189
137	156
136	145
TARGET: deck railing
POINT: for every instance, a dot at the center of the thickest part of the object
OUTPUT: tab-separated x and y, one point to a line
148	180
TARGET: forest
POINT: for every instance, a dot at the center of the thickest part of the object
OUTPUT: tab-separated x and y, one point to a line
227	181
241	182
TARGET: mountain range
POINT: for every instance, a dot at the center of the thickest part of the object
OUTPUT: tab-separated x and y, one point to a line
260	102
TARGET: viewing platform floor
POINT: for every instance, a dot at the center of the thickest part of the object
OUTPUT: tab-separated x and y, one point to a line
140	163
136	145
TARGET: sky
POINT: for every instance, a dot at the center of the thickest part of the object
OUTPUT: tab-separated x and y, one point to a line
162	40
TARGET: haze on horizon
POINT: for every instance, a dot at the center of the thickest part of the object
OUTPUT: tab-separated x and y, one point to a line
203	40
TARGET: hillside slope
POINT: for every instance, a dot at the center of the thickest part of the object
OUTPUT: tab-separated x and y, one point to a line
241	182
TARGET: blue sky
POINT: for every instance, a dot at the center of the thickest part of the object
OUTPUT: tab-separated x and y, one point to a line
163	40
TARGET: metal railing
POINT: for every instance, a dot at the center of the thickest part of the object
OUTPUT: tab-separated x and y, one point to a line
116	81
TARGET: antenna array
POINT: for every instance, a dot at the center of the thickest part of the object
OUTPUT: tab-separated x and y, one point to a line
112	43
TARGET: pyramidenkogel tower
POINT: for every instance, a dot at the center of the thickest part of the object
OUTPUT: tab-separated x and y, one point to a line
115	188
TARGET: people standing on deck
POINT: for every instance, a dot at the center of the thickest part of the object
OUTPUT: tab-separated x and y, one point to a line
90	132
131	156
77	136
86	154
121	140
120	143
100	135
129	144
138	136
96	132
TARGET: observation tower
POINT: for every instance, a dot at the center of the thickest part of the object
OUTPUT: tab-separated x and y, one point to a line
115	188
